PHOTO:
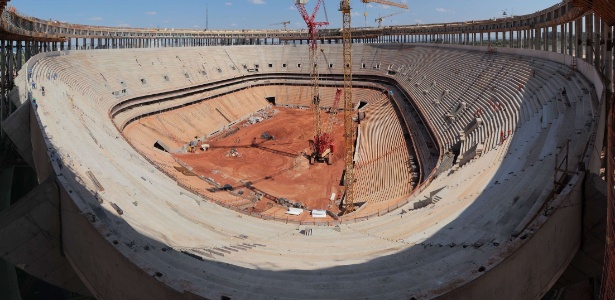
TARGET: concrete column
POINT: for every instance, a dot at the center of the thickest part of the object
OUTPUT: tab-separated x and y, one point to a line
11	63
3	77
554	38
570	43
597	41
531	40
578	48
546	39
28	50
589	34
562	35
503	40
608	55
608	58
18	45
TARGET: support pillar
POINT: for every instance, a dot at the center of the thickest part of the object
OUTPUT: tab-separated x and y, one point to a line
589	34
10	74
4	105
608	58
554	38
570	43
562	35
578	49
537	33
598	42
19	56
28	54
545	34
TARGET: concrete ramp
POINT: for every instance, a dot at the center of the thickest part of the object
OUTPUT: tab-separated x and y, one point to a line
31	238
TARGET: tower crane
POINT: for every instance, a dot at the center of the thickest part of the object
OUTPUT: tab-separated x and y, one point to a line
281	23
322	144
349	129
383	2
379	19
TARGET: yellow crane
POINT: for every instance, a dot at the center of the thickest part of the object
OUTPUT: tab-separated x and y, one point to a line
349	128
385	2
281	23
379	19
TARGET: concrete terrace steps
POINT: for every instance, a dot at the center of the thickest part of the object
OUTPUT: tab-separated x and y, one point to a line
382	156
393	255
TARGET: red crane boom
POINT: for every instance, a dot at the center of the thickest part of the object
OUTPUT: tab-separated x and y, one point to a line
322	143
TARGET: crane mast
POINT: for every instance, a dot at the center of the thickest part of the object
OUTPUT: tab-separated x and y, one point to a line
349	130
333	110
322	143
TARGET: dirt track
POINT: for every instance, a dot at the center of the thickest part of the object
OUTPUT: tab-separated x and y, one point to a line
276	167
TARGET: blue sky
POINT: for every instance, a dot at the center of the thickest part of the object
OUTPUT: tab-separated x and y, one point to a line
259	14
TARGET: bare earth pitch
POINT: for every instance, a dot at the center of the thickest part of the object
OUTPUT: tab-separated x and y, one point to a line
276	166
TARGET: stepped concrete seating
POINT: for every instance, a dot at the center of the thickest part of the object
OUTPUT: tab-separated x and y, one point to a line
179	126
473	213
382	164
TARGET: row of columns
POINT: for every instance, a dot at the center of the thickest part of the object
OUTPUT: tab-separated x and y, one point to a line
585	38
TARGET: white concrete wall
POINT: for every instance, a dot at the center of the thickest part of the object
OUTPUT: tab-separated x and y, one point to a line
539	261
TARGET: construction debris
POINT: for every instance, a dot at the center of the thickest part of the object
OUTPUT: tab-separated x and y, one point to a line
233	153
267	136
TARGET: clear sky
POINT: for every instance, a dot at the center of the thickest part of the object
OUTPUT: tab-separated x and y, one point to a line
260	14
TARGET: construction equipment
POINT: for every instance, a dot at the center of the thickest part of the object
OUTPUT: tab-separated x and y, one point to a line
383	2
324	146
281	23
349	129
321	144
379	19
333	110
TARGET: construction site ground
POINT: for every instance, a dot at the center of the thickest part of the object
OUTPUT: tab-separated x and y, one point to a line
277	167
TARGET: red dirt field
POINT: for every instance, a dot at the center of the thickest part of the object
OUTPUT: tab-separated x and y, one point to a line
278	168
